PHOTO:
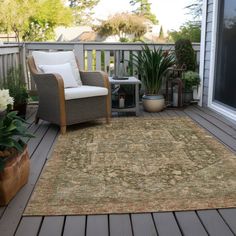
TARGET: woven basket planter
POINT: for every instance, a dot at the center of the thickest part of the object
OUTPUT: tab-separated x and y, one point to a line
14	176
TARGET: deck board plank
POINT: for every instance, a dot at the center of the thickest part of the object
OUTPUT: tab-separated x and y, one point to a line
166	224
120	225
221	125
30	225
213	223
14	210
190	224
97	225
229	215
75	226
52	226
218	133
39	135
220	117
143	225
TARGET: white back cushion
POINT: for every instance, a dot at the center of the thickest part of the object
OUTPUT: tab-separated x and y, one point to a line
57	58
64	70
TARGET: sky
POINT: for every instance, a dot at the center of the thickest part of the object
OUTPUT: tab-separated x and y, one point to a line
170	13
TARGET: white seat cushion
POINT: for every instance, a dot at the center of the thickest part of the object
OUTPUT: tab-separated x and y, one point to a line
85	91
64	70
57	58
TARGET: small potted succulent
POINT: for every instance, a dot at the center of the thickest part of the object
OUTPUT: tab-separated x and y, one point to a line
152	67
14	157
191	81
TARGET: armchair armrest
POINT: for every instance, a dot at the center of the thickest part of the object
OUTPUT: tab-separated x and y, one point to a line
95	78
50	88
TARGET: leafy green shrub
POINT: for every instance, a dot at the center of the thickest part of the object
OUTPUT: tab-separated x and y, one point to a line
185	54
17	89
190	79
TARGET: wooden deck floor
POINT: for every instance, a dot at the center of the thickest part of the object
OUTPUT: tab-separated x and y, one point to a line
220	222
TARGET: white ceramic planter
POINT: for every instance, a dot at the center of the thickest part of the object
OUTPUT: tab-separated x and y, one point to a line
152	103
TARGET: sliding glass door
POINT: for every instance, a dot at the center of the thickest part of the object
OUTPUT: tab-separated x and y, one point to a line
224	90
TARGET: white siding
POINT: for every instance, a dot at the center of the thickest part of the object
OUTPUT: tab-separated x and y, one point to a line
207	51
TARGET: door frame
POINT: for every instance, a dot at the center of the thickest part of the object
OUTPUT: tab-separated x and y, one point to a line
224	109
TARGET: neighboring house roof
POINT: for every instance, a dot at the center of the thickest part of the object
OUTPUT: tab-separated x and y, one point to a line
89	36
70	33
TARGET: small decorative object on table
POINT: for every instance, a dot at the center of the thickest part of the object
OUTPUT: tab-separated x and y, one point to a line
14	157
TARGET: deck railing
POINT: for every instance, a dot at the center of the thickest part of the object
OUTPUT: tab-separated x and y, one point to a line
109	57
11	56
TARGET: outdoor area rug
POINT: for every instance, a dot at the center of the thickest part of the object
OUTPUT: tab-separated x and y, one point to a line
135	165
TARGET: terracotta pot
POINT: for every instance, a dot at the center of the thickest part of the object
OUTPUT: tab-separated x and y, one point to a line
14	176
153	103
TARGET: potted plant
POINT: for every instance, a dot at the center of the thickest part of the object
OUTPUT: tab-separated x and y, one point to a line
5	101
152	66
14	157
191	81
17	90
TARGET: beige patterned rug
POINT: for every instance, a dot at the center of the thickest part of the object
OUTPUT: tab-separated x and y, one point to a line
136	165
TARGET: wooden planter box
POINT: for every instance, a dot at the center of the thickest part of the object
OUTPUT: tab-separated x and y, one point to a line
14	176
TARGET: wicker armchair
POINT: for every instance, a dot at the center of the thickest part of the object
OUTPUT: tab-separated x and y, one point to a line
56	107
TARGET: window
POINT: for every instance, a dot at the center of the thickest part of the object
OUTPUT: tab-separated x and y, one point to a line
224	91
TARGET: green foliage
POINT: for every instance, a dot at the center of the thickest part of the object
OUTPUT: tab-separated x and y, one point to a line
50	14
161	33
82	10
152	66
190	31
190	79
185	54
14	15
33	19
11	130
38	30
123	25
17	89
144	9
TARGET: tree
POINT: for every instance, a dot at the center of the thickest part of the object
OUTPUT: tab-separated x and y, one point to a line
14	15
33	19
123	25
82	10
191	31
50	13
195	8
144	9
161	33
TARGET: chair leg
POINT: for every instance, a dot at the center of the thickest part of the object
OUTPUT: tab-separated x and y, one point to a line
36	120
63	129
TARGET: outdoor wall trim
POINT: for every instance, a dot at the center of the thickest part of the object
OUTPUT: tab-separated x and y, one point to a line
202	51
223	109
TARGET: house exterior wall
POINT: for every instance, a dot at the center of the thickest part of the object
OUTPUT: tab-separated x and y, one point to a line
207	53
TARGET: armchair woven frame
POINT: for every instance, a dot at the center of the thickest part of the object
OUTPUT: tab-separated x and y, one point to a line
54	108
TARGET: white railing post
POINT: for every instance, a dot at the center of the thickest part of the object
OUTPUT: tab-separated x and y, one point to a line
80	55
